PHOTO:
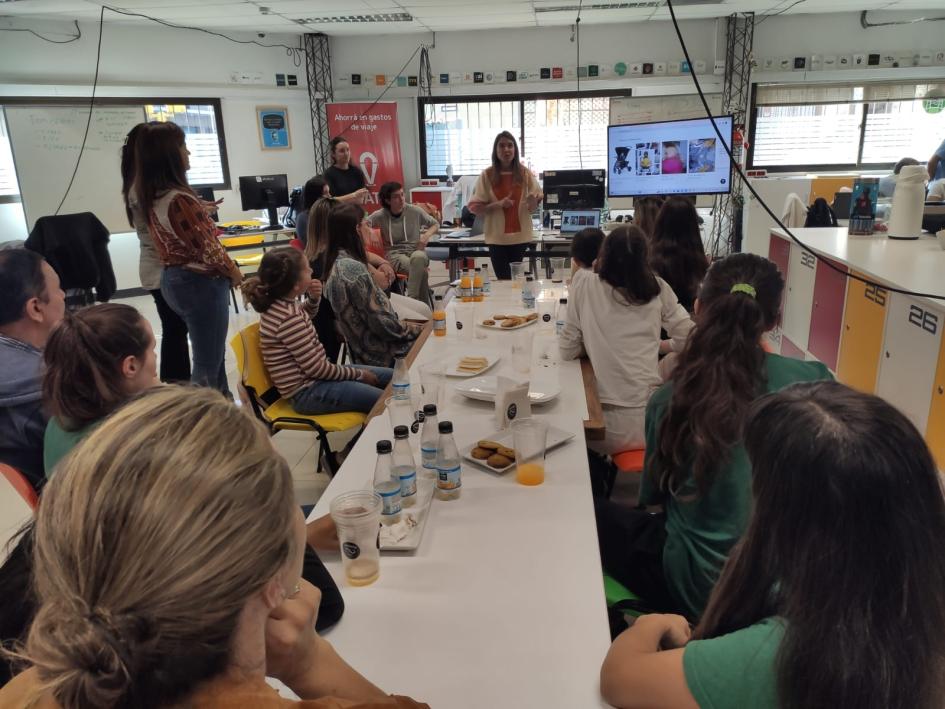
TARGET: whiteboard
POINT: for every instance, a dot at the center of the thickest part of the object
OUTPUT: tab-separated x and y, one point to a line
46	142
648	109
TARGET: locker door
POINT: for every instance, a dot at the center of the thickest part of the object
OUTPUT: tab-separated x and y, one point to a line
799	297
827	314
935	432
779	253
861	343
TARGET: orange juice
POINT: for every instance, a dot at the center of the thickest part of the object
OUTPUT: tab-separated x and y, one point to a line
362	572
466	287
530	473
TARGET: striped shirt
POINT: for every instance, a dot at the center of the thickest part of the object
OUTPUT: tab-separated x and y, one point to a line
291	350
185	235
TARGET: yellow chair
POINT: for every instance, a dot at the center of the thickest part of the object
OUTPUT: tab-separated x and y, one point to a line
276	412
240	259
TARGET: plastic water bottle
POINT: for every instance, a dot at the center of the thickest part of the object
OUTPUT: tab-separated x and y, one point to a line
449	472
404	469
486	281
477	286
528	293
429	442
561	317
385	485
400	382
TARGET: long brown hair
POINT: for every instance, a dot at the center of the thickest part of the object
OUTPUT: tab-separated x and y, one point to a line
516	166
677	254
317	230
83	380
645	210
151	539
128	168
622	263
278	275
844	547
159	165
720	372
343	222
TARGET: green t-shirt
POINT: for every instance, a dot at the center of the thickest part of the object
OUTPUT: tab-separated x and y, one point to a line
57	442
700	531
737	670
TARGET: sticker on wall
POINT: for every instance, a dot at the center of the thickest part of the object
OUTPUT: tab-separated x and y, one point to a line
815	62
469	77
785	63
699	66
401	81
719	67
768	64
525	75
940	57
673	68
380	80
907	59
444	78
925	58
412	81
659	68
512	76
545	72
647	68
582	72
887	59
800	63
872	59
280	79
636	69
490	77
859	60
844	61
620	69
479	77
829	62
356	79
684	67
456	77
557	72
570	72
593	71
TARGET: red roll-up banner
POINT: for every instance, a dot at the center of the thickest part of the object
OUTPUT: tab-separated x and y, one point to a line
374	139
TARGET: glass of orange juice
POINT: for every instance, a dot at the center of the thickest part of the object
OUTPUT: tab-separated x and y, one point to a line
529	436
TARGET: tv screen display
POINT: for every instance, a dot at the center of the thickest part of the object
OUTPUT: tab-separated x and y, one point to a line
669	157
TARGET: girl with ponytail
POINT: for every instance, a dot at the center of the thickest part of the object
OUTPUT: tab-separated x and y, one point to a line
293	354
695	464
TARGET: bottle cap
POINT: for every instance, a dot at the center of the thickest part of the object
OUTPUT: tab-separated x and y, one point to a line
529	279
438	297
384	447
563	301
446	426
429	410
477	270
401	432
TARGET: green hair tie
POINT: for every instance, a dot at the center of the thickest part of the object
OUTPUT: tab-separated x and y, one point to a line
744	288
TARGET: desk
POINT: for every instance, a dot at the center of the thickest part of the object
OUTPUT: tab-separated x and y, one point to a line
502	604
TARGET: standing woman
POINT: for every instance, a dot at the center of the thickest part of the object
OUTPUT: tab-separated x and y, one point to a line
505	196
175	352
345	181
677	254
197	271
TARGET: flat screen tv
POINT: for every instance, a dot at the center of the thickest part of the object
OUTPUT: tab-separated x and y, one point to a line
668	158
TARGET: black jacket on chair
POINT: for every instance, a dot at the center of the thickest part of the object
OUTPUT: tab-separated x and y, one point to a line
76	246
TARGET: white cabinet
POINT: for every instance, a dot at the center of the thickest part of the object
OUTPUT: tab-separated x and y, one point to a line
799	297
909	356
756	223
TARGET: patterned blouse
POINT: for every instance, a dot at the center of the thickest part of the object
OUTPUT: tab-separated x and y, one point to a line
186	236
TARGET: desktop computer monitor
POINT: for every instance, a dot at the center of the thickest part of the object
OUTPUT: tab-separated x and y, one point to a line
573	189
267	192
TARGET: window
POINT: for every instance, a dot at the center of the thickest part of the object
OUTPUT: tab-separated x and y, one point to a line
9	188
554	132
202	126
843	126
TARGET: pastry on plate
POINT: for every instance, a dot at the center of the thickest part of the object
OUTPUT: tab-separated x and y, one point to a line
511	322
498	461
507	452
481	453
489	445
531	316
472	364
489	323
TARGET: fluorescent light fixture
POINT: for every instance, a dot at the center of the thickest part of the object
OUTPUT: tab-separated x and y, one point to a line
379	17
623	5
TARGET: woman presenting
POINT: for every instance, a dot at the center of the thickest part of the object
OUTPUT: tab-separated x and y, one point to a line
505	195
346	181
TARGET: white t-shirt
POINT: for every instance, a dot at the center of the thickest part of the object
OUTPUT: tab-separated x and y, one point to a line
936	191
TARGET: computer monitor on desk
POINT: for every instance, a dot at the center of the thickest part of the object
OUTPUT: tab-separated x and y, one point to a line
267	192
573	189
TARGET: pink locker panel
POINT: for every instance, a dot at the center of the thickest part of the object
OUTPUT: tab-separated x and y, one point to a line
779	252
826	321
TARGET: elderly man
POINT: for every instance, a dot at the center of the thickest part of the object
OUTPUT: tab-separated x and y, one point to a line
32	305
406	230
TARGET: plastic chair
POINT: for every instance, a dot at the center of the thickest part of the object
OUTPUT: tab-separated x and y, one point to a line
276	412
18	502
18	482
240	259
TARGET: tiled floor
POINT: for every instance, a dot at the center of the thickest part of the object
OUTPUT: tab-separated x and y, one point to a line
297	447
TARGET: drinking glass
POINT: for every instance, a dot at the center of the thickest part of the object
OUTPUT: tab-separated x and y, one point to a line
529	437
357	516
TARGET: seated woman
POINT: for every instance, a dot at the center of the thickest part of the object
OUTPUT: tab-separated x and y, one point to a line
833	596
314	190
294	357
168	554
677	254
695	463
585	245
614	316
315	245
374	333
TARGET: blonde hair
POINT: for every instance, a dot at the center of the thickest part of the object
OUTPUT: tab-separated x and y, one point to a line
316	238
149	542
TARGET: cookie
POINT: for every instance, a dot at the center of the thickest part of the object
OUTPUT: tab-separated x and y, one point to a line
531	316
489	445
499	317
489	323
498	461
507	452
511	322
481	453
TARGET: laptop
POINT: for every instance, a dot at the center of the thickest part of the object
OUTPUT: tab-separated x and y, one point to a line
572	221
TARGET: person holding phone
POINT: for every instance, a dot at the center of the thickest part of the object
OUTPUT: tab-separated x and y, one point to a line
346	182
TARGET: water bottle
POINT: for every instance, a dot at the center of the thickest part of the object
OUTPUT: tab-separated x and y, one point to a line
404	469
477	286
449	475
561	317
400	383
385	485
429	441
528	293
486	281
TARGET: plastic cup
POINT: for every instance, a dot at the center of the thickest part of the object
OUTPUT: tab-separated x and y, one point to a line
529	436
399	412
357	515
431	383
546	312
521	354
479	333
559	269
518	274
465	320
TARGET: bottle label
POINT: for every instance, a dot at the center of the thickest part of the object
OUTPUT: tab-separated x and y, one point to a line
401	391
428	457
408	483
559	327
439	325
390	497
449	478
487	286
477	292
528	301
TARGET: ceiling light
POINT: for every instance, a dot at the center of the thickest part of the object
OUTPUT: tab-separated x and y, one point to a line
643	4
381	17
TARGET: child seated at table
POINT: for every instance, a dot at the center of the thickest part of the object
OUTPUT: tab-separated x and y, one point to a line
615	313
291	350
585	245
833	598
695	463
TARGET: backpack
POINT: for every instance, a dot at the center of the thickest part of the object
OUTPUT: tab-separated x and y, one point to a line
820	214
295	206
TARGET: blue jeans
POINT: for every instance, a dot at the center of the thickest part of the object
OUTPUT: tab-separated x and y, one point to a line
203	302
325	397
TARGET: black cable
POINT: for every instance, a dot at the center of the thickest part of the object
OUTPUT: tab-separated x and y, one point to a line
425	79
77	36
577	38
738	168
779	12
88	123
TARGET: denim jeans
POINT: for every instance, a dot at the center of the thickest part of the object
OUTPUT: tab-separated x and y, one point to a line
203	302
326	397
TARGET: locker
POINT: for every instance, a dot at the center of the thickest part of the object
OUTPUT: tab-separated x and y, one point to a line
861	342
827	313
799	296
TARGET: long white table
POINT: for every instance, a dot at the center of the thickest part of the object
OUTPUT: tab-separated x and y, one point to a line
502	604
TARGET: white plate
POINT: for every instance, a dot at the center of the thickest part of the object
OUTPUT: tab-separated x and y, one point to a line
418	513
555	438
483	389
451	365
498	323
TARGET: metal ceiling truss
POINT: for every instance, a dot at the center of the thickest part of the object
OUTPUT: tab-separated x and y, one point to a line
318	71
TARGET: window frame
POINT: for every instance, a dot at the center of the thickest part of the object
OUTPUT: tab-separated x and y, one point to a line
140	101
423	101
